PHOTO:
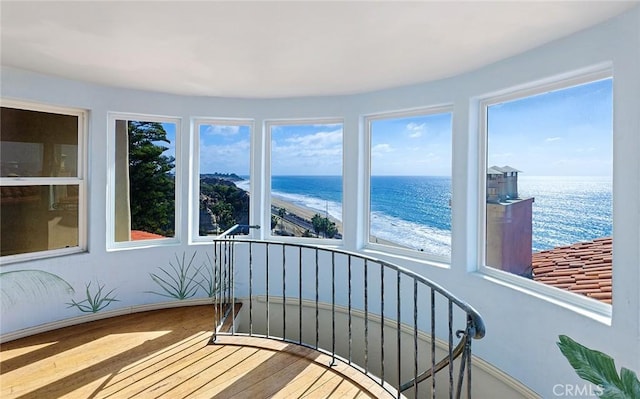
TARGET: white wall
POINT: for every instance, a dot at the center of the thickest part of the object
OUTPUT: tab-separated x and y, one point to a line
522	327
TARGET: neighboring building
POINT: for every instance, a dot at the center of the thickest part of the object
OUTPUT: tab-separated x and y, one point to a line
509	223
583	268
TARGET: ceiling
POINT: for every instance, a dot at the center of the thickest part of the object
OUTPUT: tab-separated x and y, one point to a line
268	49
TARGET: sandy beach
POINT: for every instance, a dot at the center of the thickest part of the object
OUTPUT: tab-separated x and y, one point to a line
290	226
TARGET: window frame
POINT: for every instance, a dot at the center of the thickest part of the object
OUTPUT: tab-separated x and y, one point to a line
194	219
80	179
591	307
434	259
268	124
112	244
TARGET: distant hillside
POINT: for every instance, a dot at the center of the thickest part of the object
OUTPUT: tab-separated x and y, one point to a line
222	204
224	176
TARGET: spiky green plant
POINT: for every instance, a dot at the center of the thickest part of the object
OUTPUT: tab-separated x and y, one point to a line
600	369
94	302
207	282
179	281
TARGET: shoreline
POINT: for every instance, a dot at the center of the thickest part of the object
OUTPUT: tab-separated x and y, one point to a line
295	211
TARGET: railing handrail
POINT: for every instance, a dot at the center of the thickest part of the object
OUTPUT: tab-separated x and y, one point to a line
474	329
233	228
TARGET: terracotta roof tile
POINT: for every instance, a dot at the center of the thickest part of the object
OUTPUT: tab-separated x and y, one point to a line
137	235
583	268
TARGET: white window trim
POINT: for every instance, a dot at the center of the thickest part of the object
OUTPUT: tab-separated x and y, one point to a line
433	259
268	124
111	180
80	179
194	167
590	307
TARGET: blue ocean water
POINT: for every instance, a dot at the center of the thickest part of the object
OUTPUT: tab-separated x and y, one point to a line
414	210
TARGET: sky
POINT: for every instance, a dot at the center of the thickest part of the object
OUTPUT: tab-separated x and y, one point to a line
411	146
562	133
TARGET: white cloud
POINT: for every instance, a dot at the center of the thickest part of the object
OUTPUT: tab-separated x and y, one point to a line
222	130
380	149
550	139
416	130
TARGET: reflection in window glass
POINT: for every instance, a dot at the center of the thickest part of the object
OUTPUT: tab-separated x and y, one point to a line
38	144
410	183
224	153
306	180
145	180
41	188
549	187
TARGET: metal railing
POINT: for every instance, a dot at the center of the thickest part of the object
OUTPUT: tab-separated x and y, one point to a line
394	325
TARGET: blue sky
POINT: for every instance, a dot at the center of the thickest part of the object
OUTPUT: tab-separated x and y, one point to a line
411	146
563	133
313	149
225	149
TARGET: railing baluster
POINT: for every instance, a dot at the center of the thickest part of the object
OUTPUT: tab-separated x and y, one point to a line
284	293
232	300
366	316
398	331
349	308
333	308
450	310
415	338
300	295
382	322
250	288
267	287
433	341
317	301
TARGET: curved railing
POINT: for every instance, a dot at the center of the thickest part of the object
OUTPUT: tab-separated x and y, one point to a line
369	313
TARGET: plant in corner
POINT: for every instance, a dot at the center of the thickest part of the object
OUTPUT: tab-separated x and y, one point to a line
600	369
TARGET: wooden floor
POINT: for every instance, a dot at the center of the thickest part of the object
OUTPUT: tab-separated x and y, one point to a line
164	354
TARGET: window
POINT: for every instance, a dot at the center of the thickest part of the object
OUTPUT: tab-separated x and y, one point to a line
224	159
410	180
306	179
43	202
548	207
144	180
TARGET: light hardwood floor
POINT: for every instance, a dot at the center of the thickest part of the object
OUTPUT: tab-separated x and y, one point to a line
164	354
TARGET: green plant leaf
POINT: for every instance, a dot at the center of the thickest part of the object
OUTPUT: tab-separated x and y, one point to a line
630	382
31	285
599	369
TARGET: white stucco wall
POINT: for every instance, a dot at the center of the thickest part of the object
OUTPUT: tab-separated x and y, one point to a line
522	327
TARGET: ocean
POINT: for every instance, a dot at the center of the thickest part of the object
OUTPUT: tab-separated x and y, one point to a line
414	210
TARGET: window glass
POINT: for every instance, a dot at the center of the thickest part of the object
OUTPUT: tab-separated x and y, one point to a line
306	179
223	197
41	186
410	182
549	187
145	180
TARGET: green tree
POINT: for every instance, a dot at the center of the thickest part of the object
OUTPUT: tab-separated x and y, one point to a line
324	225
151	182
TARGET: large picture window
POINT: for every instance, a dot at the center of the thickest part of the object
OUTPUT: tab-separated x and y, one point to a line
223	182
42	181
306	179
144	178
410	180
549	166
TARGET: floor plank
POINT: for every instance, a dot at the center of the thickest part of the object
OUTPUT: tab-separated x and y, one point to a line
165	354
